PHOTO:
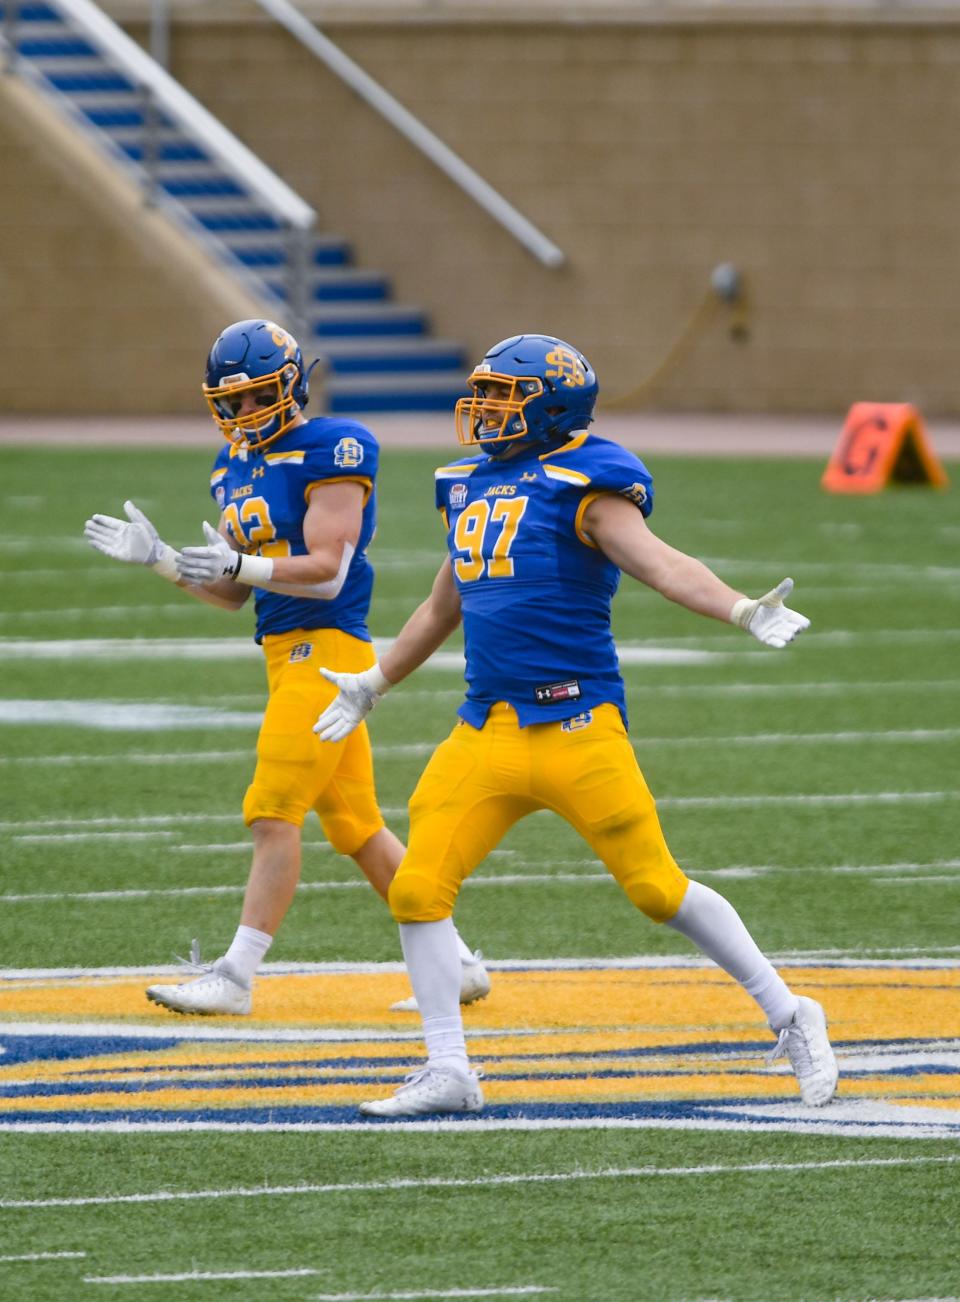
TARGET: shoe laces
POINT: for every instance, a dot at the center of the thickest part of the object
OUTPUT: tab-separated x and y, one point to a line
792	1043
415	1077
194	963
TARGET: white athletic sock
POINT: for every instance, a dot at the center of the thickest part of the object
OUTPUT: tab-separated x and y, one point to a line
433	964
716	928
246	952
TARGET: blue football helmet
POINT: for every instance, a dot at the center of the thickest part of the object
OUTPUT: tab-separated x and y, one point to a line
263	360
529	387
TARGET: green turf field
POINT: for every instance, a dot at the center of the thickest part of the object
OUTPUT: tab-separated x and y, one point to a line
815	787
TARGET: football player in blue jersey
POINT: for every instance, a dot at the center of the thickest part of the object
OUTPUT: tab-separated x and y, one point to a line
541	521
297	513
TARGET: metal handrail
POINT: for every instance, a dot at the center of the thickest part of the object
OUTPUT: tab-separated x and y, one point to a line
188	112
404	121
159	91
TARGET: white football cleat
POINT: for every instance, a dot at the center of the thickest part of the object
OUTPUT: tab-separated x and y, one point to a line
805	1042
217	991
431	1089
474	985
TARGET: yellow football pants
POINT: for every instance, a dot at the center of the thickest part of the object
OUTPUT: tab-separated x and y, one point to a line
295	770
480	782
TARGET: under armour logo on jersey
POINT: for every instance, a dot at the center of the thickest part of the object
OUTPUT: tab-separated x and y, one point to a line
564	365
258	471
348	452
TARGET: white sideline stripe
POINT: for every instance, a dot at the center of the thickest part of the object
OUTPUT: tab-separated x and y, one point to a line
403	750
397	811
402	1184
44	1256
938	1126
910	956
499	879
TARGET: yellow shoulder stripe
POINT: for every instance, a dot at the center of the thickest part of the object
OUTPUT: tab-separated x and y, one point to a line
455	472
277	458
218	475
565	474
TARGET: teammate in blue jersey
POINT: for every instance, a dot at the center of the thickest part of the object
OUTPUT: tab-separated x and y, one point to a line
297	513
541	522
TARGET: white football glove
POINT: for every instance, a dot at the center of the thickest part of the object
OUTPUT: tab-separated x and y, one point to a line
202	565
767	618
134	540
357	696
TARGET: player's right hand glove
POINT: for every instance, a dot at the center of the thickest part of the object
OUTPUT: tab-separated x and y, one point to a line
357	696
134	540
767	618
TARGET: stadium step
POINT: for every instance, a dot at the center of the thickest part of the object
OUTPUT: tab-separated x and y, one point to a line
379	355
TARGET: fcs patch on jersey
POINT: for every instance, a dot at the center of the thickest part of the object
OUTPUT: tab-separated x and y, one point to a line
577	722
635	493
348	452
220	494
302	651
551	692
458	495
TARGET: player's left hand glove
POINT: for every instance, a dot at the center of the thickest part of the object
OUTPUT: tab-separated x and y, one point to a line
357	695
202	565
134	540
767	618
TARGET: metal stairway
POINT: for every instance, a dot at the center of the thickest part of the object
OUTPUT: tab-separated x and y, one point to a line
380	355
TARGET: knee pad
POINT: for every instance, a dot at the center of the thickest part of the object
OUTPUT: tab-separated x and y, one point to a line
657	893
417	897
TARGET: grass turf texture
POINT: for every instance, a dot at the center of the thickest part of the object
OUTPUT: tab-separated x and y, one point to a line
876	575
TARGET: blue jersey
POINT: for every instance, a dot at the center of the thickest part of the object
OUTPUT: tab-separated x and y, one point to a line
263	497
535	592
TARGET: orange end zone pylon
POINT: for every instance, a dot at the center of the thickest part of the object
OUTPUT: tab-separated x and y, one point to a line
882	442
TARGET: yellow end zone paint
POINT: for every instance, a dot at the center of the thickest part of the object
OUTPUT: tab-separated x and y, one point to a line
664	1005
609	1038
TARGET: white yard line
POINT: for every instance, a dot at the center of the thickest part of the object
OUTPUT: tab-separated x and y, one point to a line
408	750
397	811
405	1184
589	877
234	648
204	1276
44	1256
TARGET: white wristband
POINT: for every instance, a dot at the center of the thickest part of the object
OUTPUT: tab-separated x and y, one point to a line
253	570
378	680
166	564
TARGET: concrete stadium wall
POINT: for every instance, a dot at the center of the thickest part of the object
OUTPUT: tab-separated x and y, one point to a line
820	155
105	308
